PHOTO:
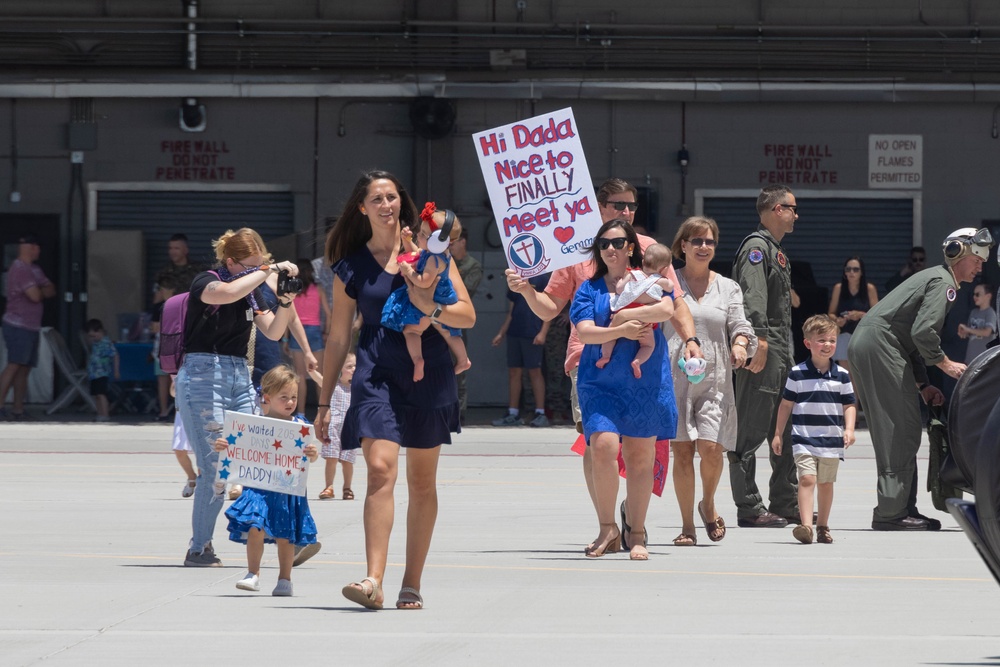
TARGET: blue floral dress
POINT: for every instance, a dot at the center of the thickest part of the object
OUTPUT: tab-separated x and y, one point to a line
279	515
399	311
611	398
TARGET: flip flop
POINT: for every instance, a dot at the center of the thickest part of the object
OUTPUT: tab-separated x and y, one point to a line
356	593
628	529
712	526
412	601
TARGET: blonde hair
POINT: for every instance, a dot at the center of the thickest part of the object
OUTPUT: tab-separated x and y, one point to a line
456	227
689	228
277	379
655	257
820	324
238	245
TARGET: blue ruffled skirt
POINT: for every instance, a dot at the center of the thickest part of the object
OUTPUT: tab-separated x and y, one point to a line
279	515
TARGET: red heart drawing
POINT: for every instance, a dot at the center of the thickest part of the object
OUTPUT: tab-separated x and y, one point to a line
563	234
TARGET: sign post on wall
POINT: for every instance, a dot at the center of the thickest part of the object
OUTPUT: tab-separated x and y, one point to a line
895	161
540	189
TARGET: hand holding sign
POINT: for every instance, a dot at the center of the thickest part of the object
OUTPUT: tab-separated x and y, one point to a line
265	453
539	185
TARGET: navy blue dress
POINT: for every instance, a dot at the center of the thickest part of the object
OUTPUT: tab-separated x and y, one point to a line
611	398
386	403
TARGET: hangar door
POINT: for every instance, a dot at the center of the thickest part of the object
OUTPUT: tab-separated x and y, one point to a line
203	216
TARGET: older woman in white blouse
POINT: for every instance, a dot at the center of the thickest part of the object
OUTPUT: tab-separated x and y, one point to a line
706	419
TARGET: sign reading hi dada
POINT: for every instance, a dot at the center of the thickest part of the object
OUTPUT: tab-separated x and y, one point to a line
540	189
265	453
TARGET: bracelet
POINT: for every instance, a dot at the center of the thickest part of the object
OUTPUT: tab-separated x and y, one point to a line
695	339
284	304
923	386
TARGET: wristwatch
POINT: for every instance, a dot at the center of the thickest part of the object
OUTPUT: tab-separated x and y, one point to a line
695	339
437	311
741	343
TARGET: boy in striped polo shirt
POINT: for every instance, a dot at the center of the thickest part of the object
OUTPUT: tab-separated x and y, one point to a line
819	399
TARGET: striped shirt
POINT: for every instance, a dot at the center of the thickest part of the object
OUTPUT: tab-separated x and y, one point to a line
818	414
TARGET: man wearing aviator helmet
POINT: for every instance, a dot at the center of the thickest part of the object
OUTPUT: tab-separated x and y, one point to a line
889	352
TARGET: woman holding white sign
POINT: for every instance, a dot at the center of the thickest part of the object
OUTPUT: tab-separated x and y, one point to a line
388	409
615	404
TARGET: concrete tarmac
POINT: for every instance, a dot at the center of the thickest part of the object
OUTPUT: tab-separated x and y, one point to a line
95	532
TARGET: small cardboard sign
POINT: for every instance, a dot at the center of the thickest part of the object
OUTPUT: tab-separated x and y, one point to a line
265	453
539	185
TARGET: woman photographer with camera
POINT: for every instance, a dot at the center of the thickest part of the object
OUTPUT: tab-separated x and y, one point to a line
224	304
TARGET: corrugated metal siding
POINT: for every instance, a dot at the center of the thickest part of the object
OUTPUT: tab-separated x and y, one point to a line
828	231
203	216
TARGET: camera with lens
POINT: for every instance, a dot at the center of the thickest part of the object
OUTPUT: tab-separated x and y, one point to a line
287	284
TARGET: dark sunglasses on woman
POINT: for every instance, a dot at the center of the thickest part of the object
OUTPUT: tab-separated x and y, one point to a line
618	243
698	242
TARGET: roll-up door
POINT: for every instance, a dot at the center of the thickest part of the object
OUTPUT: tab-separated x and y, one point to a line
828	231
203	216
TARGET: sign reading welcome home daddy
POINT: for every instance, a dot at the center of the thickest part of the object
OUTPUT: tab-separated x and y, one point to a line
540	189
265	453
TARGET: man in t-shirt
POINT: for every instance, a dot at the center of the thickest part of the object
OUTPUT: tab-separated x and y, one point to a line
27	287
181	271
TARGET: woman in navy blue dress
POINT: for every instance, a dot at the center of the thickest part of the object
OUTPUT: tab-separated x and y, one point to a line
388	409
615	404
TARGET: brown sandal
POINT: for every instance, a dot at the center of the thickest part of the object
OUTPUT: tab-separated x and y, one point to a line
686	540
347	494
326	494
712	526
823	535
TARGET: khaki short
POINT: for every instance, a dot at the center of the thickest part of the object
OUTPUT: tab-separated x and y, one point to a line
824	469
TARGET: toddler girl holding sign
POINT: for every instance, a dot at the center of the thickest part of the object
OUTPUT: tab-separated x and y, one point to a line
268	516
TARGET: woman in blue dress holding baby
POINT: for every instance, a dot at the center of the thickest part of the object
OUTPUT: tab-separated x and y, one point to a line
616	405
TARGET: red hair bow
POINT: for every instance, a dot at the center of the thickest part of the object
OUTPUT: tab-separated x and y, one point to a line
427	215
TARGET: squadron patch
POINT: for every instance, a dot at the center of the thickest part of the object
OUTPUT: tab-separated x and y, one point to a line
782	261
755	256
951	294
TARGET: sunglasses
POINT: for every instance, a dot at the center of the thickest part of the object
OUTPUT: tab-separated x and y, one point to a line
852	269
618	243
794	207
698	242
622	205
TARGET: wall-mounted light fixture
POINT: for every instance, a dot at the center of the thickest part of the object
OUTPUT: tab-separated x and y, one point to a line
192	115
683	158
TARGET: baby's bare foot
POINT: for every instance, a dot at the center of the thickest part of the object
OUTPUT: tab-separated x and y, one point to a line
463	365
636	369
418	370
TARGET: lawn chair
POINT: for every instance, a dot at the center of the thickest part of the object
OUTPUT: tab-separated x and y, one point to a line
76	379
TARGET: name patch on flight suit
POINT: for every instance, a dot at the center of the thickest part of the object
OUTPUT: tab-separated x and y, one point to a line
781	259
755	256
951	294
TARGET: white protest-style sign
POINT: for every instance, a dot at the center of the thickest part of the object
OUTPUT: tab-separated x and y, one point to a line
265	453
540	188
895	161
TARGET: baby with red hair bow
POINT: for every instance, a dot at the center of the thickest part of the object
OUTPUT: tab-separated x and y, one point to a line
430	259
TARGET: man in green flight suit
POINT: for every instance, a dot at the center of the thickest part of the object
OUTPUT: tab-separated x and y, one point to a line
889	353
762	270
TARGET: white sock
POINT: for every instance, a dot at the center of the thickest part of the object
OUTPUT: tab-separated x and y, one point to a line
513	411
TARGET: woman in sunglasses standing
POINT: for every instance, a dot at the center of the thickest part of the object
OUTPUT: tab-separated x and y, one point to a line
615	404
850	299
706	407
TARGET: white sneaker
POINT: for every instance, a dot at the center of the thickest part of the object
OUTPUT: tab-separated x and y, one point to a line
251	582
283	589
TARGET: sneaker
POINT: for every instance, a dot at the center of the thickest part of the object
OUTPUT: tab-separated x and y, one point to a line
539	421
188	489
509	420
206	558
283	589
251	582
305	552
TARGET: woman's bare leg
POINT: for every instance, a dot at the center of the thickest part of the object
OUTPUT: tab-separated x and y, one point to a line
421	511
683	476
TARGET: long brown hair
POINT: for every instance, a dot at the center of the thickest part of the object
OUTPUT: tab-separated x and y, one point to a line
352	229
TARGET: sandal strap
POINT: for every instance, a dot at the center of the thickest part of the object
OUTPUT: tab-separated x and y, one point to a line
375	588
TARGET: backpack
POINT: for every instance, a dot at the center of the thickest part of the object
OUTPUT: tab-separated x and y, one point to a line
173	326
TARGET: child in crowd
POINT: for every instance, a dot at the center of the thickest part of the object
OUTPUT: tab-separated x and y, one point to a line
640	288
312	308
182	450
819	399
982	326
268	516
103	362
430	259
526	334
340	400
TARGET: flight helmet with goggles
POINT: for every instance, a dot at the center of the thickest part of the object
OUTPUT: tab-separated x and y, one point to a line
967	241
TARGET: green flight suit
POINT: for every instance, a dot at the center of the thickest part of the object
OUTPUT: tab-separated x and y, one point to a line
889	352
763	271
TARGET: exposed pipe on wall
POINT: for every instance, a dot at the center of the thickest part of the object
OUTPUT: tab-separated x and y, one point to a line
191	9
